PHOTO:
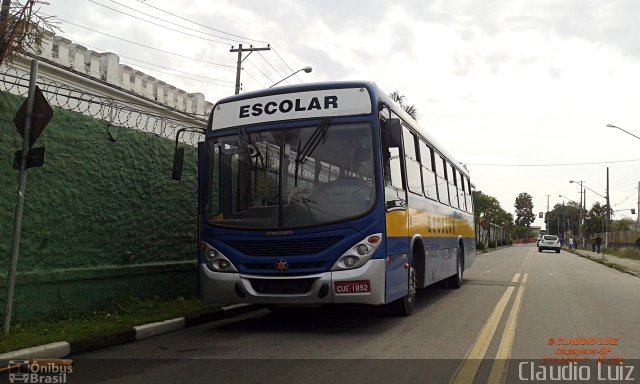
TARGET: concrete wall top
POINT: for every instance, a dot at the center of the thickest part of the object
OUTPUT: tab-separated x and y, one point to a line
106	67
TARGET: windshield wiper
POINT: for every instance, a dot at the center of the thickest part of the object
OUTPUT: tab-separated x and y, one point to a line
311	144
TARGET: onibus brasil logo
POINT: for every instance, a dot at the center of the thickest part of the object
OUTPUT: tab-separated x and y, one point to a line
52	371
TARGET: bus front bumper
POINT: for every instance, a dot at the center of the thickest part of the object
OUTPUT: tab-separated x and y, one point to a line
319	288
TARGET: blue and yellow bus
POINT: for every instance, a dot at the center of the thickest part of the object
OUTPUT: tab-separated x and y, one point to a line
327	193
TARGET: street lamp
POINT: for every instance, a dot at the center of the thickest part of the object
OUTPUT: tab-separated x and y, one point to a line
580	213
566	218
574	202
613	126
306	69
604	197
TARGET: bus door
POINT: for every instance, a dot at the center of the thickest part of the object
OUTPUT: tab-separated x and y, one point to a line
396	210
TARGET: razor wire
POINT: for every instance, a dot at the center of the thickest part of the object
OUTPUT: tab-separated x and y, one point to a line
115	112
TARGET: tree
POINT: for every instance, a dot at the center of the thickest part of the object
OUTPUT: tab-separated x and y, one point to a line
522	232
524	210
621	225
22	28
562	219
504	220
487	212
400	99
595	219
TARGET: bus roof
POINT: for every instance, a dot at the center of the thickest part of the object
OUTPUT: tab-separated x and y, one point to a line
284	97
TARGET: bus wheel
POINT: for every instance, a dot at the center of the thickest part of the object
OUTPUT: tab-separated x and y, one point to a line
404	306
455	281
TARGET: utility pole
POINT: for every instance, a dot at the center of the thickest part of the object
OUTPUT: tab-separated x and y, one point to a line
580	239
546	218
240	50
584	240
608	216
638	211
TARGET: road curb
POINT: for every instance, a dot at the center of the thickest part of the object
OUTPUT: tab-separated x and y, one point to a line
62	349
157	328
55	350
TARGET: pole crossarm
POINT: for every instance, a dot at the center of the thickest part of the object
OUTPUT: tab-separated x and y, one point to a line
241	50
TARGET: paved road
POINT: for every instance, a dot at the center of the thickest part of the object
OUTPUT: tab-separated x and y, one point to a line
517	305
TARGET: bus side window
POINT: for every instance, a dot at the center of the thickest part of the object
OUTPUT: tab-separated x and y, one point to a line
461	193
469	196
391	150
414	180
443	190
428	176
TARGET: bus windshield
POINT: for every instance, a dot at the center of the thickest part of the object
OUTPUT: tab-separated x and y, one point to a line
290	178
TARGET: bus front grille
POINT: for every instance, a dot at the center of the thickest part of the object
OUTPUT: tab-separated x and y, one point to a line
284	286
280	248
254	267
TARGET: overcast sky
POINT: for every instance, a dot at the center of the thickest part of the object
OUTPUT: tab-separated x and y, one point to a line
500	84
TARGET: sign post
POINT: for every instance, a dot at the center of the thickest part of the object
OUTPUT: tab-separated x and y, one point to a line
31	119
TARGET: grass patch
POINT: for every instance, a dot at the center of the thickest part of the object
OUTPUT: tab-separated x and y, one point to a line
625	253
118	318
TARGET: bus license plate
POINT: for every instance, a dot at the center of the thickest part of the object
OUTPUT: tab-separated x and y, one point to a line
342	287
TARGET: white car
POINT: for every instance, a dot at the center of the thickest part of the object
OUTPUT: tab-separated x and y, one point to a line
549	242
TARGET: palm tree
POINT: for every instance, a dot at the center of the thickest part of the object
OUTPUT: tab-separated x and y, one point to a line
400	99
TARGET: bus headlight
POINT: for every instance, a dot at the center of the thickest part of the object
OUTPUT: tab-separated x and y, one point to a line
215	260
358	254
350	261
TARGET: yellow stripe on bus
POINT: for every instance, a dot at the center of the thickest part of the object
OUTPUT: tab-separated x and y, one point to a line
403	223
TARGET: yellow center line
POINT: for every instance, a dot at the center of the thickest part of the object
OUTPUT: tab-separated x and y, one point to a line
466	373
498	371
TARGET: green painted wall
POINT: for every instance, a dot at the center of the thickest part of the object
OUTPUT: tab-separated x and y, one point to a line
102	218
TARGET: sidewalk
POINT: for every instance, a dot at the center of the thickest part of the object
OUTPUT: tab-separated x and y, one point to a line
625	265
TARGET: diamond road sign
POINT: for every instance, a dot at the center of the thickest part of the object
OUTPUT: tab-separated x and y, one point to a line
42	114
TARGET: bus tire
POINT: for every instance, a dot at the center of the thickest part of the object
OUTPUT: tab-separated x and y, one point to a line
404	306
455	281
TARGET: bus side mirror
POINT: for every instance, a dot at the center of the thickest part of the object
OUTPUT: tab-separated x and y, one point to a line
178	160
394	127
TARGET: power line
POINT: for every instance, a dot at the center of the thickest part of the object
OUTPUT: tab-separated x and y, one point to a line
146	46
553	165
251	76
259	70
160	66
267	61
285	63
213	29
184	77
625	177
160	25
202	25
